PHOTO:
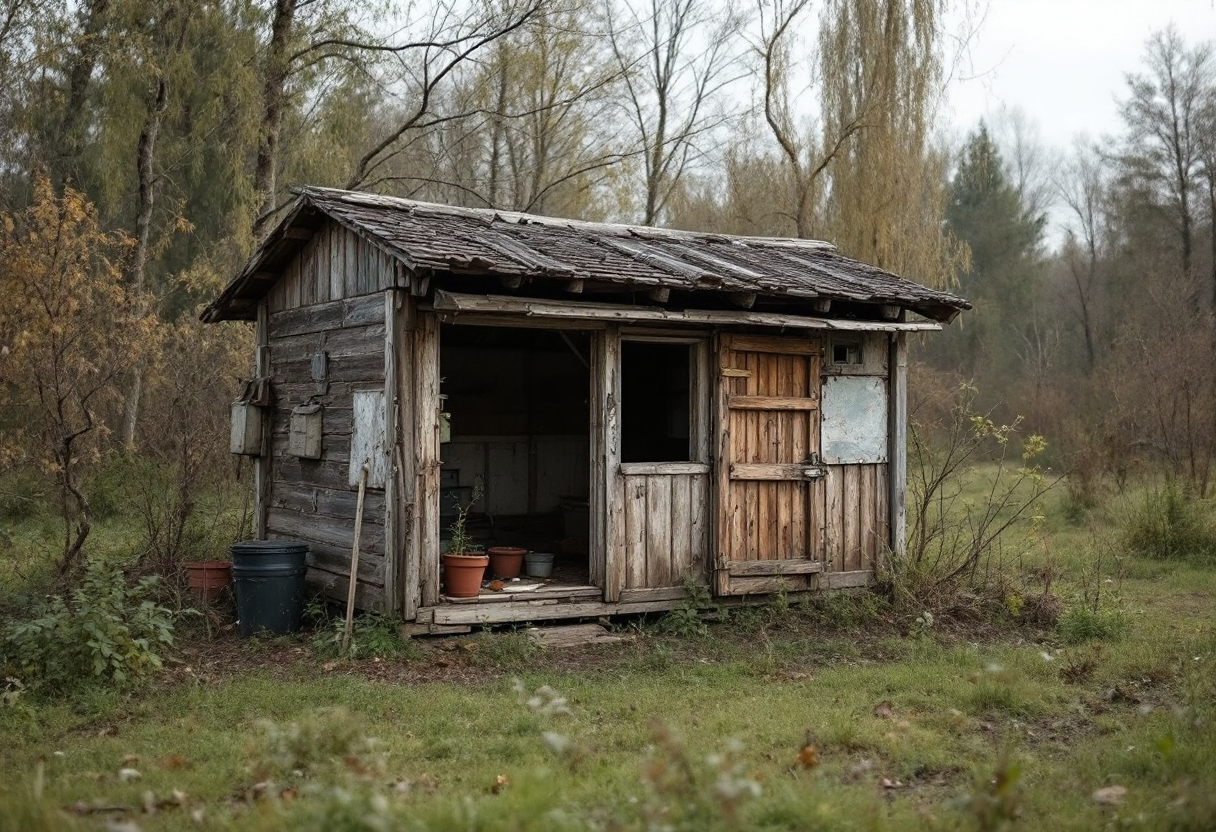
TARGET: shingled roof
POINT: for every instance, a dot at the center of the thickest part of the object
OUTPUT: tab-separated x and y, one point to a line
439	239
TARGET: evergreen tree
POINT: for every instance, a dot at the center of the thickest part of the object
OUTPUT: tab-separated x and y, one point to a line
987	212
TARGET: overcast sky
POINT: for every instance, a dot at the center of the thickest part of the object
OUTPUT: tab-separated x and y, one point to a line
1063	62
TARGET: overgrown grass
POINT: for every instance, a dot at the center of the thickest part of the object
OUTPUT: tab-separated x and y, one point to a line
706	744
1166	525
837	712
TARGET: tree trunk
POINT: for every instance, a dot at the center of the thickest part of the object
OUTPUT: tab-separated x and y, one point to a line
274	103
70	141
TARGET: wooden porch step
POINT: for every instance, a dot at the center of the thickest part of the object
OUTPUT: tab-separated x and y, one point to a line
575	635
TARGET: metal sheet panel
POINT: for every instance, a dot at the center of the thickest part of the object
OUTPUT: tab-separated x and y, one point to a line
854	420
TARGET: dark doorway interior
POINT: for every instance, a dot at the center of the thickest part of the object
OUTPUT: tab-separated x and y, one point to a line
517	405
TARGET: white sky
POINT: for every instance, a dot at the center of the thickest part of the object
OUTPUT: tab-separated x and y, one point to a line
1063	62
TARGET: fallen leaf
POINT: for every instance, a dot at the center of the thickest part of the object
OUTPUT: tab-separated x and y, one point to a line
175	762
1110	795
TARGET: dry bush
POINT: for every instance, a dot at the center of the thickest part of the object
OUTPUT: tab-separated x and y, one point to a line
70	326
970	488
1160	385
186	492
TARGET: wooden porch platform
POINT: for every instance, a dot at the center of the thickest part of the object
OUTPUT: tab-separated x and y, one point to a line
565	602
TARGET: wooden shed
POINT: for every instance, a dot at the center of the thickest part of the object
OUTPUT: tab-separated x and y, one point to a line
654	407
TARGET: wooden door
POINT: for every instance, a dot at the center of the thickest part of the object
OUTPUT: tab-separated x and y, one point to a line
769	474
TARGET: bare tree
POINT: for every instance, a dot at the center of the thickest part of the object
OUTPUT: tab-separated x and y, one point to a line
778	22
670	89
1081	186
1163	114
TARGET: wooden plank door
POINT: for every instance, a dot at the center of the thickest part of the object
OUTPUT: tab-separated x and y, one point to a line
770	489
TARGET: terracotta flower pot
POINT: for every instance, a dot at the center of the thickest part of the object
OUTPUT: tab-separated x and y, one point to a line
506	561
209	578
462	574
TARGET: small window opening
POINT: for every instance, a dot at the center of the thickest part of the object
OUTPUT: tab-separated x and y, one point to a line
846	352
655	402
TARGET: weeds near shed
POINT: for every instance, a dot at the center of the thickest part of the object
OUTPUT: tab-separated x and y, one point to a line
373	635
104	630
960	516
687	619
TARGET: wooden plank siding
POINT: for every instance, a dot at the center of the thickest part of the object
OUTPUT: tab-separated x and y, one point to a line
329	300
666	536
855	527
335	264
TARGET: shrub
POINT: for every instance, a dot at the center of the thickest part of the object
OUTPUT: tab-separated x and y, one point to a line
969	492
1169	526
373	635
1082	622
104	630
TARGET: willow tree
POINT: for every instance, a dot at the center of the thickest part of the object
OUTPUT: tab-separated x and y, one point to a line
882	83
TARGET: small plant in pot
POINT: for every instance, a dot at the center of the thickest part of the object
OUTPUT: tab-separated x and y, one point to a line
464	563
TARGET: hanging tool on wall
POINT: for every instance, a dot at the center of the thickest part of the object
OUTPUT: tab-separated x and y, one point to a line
354	557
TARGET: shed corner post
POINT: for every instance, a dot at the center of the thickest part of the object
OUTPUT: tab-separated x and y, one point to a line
397	574
898	454
261	466
427	453
608	390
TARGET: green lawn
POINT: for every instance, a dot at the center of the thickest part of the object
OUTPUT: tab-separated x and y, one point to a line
824	716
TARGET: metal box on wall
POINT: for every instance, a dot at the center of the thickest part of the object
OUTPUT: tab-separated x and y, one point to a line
304	439
246	438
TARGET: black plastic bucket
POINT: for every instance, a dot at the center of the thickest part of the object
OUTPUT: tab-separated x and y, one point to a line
269	580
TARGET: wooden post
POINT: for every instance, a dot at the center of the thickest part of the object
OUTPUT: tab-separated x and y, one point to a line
898	452
608	371
353	583
392	490
426	435
405	501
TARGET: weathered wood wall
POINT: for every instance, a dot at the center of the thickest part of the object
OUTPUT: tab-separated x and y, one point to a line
329	300
666	525
855	498
854	513
335	264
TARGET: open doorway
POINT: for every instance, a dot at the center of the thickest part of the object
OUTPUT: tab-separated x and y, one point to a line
517	432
